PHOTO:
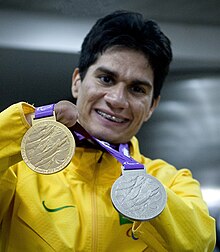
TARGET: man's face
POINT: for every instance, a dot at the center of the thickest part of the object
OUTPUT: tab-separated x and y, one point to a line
115	97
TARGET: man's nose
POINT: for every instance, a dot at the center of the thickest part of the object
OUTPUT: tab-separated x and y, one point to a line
117	96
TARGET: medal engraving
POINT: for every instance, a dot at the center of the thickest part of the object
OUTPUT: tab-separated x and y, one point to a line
138	196
47	147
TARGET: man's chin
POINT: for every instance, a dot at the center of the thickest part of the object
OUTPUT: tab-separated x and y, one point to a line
113	140
107	135
107	138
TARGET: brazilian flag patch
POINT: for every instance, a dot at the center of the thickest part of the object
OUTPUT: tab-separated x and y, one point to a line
123	220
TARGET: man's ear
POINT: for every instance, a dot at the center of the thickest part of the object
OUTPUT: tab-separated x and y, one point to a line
76	82
154	105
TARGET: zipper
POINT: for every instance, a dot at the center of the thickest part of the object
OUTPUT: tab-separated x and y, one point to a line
100	158
94	244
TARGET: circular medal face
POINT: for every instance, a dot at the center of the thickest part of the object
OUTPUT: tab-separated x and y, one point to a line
47	147
138	196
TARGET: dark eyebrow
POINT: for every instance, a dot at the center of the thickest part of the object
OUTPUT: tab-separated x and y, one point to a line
115	75
142	82
107	71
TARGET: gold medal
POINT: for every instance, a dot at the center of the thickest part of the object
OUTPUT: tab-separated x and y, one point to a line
48	146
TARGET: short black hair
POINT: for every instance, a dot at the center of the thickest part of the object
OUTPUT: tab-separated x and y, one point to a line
130	30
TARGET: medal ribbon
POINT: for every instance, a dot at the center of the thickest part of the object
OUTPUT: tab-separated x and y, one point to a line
127	162
44	111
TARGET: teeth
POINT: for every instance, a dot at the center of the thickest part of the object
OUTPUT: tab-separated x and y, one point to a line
109	117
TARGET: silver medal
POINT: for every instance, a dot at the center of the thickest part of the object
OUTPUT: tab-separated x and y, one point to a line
138	196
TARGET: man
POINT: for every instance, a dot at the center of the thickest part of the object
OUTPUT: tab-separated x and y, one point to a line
123	63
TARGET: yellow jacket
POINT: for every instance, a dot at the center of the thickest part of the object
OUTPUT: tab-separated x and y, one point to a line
72	210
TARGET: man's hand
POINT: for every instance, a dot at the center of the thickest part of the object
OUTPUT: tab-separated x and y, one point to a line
66	113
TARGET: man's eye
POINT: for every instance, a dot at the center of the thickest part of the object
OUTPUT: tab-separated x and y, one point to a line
138	89
106	79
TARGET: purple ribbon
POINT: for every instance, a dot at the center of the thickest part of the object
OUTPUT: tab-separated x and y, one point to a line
127	162
44	111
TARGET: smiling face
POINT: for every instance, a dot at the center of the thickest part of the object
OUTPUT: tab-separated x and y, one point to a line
115	97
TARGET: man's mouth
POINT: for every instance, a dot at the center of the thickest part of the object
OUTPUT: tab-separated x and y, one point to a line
110	117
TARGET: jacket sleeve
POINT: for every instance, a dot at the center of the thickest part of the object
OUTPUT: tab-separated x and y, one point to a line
184	224
13	126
